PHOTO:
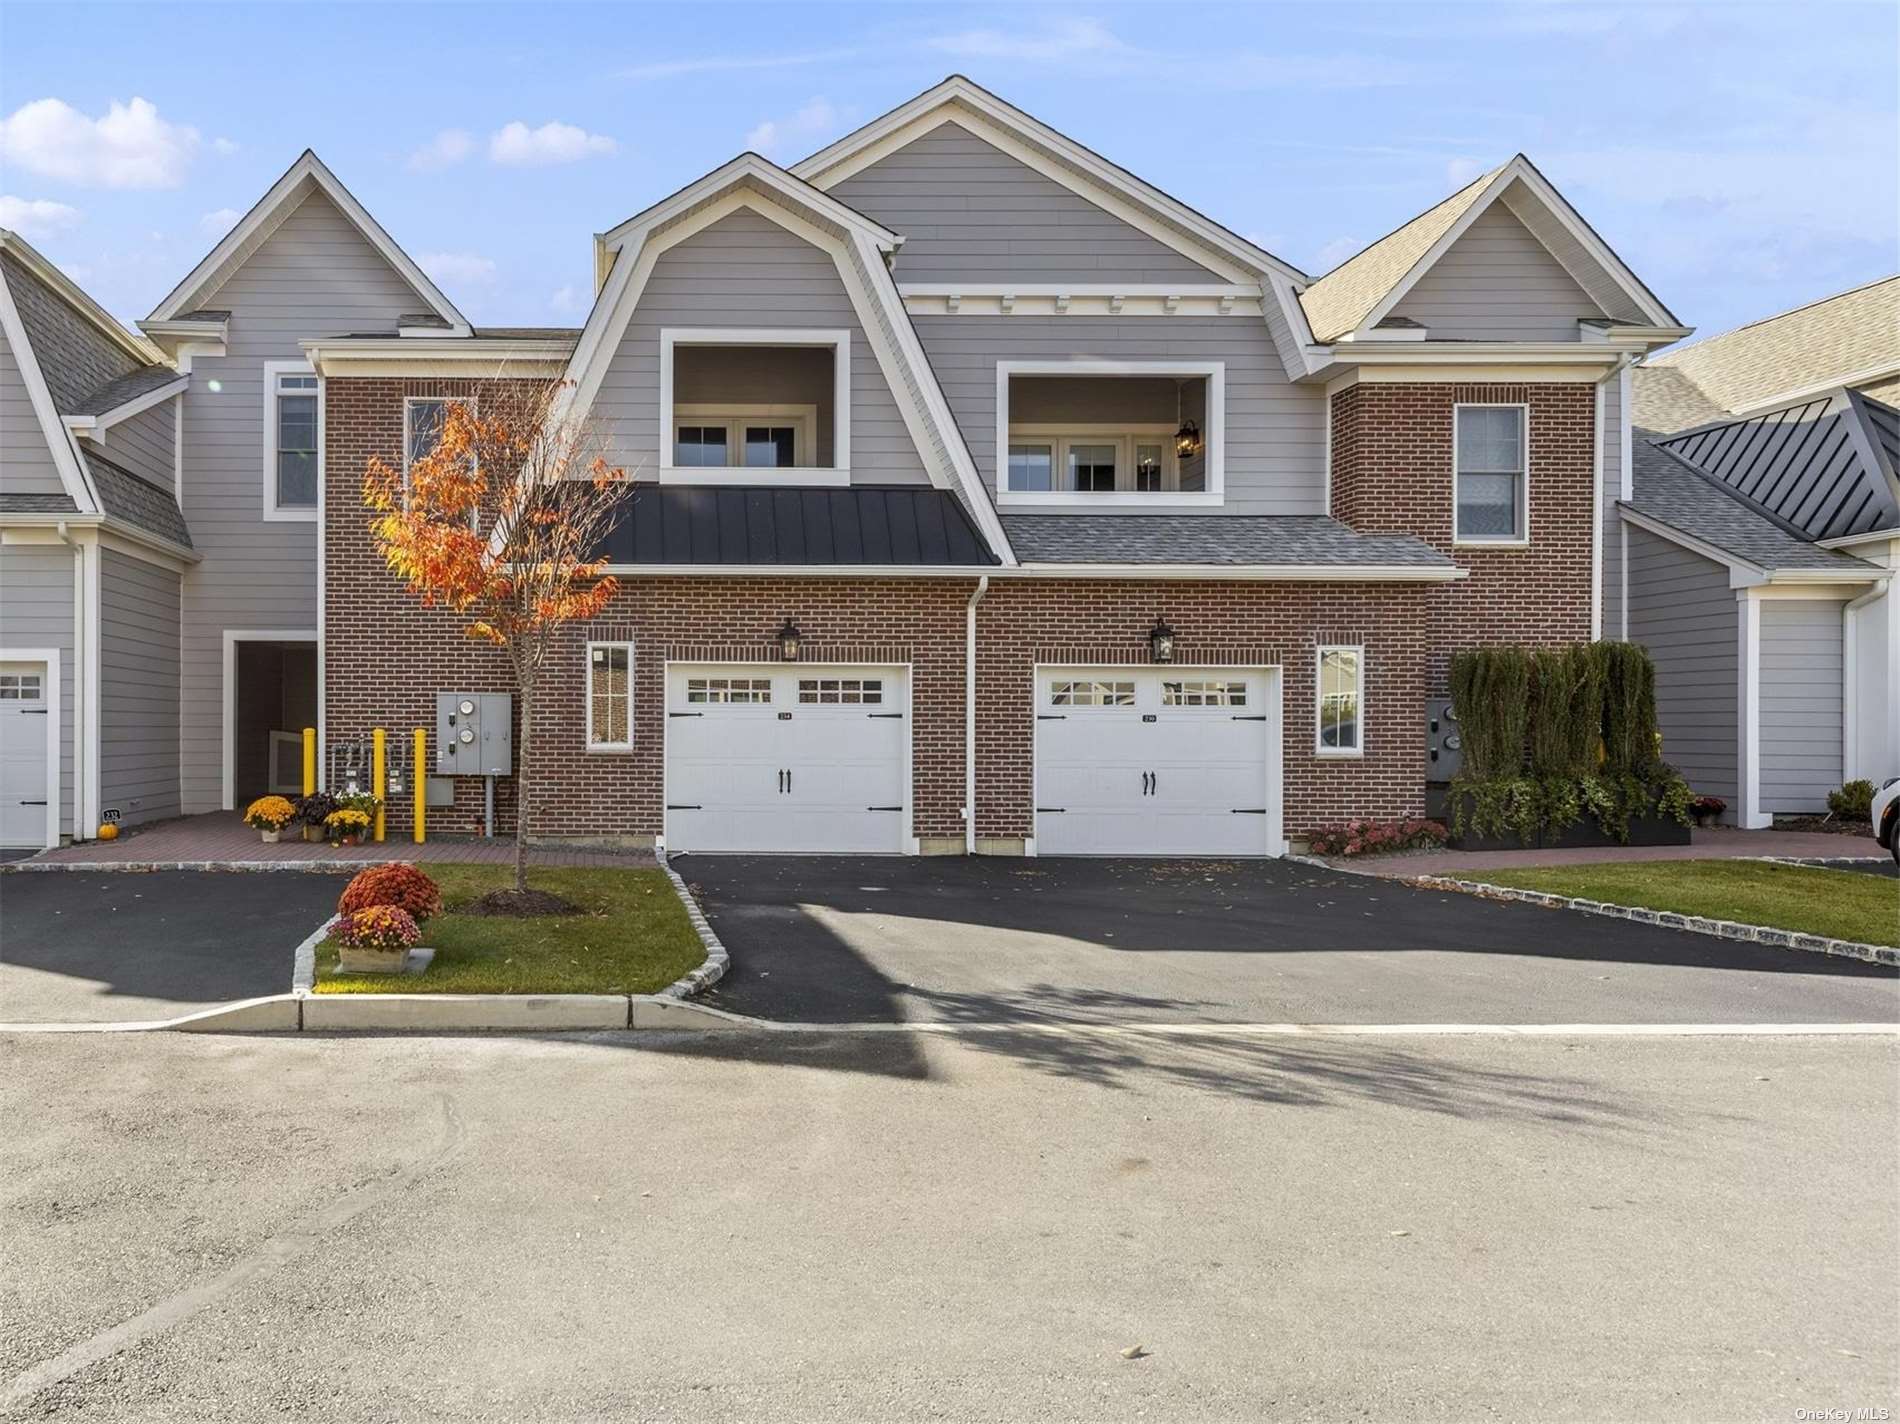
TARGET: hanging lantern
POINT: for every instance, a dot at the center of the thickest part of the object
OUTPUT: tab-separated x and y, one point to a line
1187	440
1161	641
788	640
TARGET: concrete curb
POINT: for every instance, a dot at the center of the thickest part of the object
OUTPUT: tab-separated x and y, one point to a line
309	867
1720	929
718	961
303	964
1822	862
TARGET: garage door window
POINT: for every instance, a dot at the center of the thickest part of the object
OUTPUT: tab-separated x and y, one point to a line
729	689
865	690
21	687
1341	690
1090	693
1203	694
609	697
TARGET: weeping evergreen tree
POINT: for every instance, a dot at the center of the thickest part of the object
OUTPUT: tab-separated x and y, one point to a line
1631	741
1490	687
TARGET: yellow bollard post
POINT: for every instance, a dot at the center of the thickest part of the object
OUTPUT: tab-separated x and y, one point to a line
379	778
421	779
310	761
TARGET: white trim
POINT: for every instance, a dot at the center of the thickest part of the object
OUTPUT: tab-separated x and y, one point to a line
50	657
90	717
1213	434
1062	437
323	599
94	427
1597	517
1045	299
1749	815
752	169
1623	576
59	440
734	417
1523	538
1358	749
1326	454
1275	725
591	746
282	198
228	697
1234	573
139	347
1055	156
837	338
288	514
1625	434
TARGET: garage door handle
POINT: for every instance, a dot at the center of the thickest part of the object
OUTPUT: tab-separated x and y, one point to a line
686	714
883	808
34	712
676	806
894	716
1052	716
32	803
1249	810
1261	717
1051	810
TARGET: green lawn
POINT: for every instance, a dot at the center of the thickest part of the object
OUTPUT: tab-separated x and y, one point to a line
1841	904
635	939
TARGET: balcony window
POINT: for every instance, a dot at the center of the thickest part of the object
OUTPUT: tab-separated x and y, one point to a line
737	404
1092	433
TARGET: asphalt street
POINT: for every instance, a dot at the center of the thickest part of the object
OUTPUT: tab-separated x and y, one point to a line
829	939
898	1227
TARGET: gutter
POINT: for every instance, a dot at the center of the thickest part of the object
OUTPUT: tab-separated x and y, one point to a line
969	714
1234	573
80	688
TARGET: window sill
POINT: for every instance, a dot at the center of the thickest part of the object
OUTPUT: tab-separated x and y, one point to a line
812	477
290	516
1162	502
1340	753
1457	543
609	748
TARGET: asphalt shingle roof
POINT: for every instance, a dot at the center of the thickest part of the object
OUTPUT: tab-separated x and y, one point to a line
1674	493
137	501
116	393
1238	539
75	357
18	503
1666	400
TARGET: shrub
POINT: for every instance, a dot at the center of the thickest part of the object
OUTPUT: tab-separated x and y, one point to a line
403	886
1490	690
378	927
1375	837
1853	802
314	809
268	813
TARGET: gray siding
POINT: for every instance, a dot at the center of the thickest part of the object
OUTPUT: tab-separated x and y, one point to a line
36	611
1800	703
970	211
143	444
139	611
1683	610
1498	283
26	465
316	275
1275	430
747	271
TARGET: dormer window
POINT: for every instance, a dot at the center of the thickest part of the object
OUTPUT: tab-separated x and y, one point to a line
766	406
1109	433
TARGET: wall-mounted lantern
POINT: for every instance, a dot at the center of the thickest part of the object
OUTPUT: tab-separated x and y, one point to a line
1161	641
1187	440
788	640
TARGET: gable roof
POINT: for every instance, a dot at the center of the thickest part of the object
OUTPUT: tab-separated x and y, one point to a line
1840	340
1821	469
1699	511
1052	153
256	226
1361	291
1666	400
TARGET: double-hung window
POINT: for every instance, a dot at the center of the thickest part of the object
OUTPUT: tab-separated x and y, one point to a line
290	441
609	697
1341	700
422	424
1490	474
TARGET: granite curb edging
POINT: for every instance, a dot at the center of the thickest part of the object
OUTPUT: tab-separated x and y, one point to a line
1667	919
718	961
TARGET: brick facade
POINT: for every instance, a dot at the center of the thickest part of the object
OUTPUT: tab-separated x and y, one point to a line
386	657
1392	473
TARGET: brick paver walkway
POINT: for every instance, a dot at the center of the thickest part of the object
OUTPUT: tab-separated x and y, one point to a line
1719	842
222	838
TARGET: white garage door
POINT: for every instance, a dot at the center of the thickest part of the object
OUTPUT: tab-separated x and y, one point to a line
786	758
26	770
1175	761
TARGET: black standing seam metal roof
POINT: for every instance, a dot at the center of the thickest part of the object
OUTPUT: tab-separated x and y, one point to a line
873	525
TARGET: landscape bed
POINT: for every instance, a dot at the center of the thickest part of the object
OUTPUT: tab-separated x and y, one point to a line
1838	904
634	938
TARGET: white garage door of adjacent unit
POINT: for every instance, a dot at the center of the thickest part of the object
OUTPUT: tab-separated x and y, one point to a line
26	772
786	758
1134	761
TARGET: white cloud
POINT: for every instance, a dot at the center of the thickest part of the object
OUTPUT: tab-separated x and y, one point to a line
566	301
36	217
469	268
1061	40
130	146
518	145
1335	252
726	64
224	147
818	119
219	221
448	147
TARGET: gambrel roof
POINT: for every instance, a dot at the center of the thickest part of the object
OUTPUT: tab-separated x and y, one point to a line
1359	293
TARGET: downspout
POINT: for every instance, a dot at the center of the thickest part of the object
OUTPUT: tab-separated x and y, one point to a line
969	714
1615	373
77	808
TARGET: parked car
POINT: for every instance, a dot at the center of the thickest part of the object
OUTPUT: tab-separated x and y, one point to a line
1886	816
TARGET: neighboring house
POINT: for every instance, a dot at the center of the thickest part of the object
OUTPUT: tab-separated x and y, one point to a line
1762	535
1101	528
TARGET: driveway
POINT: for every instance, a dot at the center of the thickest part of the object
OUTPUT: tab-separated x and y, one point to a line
112	946
862	939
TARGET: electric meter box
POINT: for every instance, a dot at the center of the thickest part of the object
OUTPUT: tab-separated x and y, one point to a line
474	733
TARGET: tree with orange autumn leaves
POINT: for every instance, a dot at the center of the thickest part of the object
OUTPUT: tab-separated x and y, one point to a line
503	523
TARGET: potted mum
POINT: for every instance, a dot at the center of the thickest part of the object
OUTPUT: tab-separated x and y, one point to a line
346	825
269	814
1707	810
376	940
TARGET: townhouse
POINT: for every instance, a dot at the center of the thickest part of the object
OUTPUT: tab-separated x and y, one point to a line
988	499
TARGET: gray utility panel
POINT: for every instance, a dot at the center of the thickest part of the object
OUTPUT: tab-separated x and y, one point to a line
474	733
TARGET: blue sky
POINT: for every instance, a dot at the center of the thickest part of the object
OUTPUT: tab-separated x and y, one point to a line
1742	158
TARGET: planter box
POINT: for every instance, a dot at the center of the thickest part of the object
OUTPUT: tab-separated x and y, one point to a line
1586	834
382	961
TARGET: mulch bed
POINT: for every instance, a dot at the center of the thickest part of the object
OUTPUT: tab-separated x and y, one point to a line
1826	825
520	904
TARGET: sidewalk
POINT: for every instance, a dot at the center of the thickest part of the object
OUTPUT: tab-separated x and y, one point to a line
1718	842
222	838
